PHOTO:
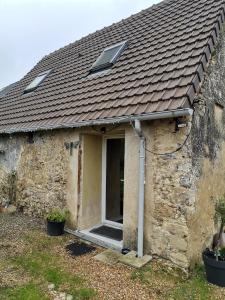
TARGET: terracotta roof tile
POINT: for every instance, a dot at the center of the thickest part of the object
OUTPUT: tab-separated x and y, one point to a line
169	46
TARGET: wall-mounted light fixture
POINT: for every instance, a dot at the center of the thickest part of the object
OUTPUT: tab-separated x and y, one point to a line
179	124
103	130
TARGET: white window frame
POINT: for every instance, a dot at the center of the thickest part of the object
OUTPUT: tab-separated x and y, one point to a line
114	58
29	89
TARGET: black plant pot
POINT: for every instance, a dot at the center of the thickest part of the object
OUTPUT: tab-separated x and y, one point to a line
215	270
55	228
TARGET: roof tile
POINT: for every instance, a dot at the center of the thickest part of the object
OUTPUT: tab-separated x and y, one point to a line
169	46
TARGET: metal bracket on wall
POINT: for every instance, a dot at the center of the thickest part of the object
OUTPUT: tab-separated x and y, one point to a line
179	123
72	145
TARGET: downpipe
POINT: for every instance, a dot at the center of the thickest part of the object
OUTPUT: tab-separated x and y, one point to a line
141	193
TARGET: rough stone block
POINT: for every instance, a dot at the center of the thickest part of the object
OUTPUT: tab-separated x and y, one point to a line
109	257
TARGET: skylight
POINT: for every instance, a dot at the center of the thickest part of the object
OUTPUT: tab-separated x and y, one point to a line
108	57
36	82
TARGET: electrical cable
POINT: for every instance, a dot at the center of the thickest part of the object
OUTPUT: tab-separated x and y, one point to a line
179	148
152	152
172	152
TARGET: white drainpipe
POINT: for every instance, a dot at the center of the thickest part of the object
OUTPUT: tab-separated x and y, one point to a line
141	198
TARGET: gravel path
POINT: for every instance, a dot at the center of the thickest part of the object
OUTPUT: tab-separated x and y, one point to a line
16	225
111	282
12	229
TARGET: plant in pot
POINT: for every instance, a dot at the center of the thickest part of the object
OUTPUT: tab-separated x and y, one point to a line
56	221
214	258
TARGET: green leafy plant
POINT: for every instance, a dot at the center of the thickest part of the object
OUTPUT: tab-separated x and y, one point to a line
220	214
222	254
219	217
220	209
58	215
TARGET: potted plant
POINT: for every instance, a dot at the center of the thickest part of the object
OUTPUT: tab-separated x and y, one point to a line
56	221
214	259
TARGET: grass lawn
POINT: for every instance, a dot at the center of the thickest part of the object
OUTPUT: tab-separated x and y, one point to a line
34	266
170	283
41	266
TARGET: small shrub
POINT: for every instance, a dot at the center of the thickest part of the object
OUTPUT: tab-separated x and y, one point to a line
58	215
222	254
220	210
218	246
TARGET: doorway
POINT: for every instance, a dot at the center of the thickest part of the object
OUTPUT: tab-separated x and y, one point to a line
113	181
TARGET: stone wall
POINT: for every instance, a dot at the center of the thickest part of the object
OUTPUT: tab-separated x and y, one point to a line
208	149
10	151
4	187
41	169
168	190
42	175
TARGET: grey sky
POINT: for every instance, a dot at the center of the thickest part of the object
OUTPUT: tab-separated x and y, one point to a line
30	29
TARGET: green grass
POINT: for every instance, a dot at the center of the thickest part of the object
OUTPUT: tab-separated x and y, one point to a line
196	287
172	284
148	274
47	268
29	291
43	266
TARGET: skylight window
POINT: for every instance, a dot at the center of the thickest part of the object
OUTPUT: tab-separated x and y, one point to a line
108	57
36	82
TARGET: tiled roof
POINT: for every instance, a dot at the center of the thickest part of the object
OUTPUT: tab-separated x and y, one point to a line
169	47
6	89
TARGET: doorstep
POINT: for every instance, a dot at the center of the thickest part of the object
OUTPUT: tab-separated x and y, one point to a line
109	257
112	257
97	239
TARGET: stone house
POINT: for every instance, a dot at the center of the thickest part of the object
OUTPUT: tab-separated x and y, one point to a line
125	128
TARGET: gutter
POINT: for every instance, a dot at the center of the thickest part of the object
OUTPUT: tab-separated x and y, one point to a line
142	146
118	120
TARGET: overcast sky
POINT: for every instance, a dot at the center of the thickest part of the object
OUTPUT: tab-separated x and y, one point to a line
30	29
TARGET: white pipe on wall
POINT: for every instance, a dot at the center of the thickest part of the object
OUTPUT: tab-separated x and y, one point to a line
140	250
141	193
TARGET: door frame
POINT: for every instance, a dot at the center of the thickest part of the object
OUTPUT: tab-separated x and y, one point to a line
104	172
